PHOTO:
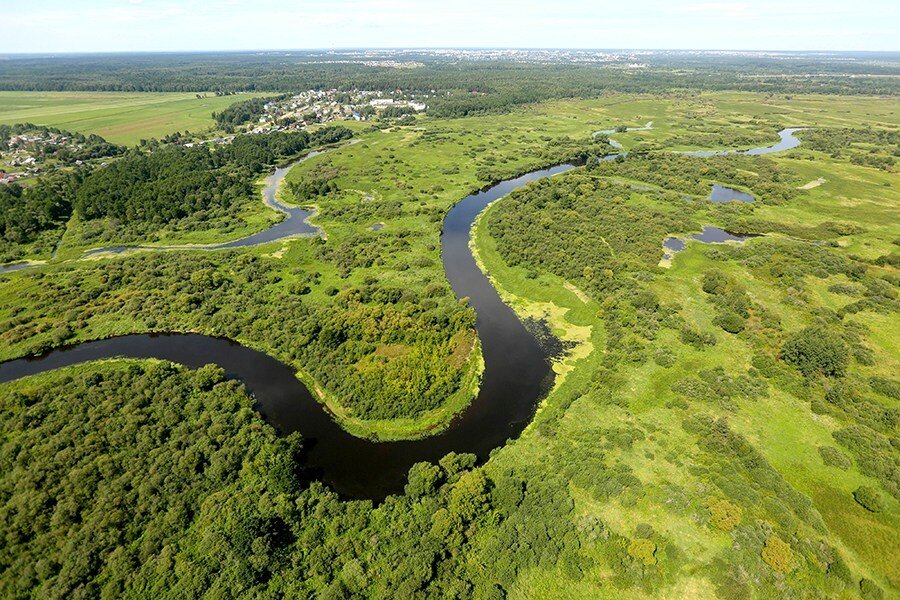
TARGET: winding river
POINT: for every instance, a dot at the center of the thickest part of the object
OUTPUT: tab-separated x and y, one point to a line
517	370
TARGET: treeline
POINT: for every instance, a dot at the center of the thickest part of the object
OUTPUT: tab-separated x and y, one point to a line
26	211
475	86
770	183
581	228
382	350
877	148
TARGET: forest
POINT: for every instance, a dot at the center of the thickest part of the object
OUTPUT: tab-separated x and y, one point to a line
192	494
169	183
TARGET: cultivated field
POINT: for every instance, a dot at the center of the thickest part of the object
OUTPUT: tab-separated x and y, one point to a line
122	118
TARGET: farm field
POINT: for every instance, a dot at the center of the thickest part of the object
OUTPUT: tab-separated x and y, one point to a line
120	117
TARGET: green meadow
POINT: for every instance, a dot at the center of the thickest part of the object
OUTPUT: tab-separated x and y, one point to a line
120	117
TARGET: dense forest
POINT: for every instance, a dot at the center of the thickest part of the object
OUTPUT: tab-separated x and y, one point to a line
184	491
723	423
168	183
878	148
24	212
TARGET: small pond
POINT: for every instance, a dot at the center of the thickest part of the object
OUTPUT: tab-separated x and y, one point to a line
720	193
709	235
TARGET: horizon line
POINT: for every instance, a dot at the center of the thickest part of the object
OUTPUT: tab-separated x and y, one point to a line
50	53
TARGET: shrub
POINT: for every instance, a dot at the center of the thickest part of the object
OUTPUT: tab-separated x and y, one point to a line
643	550
730	322
869	498
714	282
697	339
777	554
723	514
815	350
664	357
869	590
833	457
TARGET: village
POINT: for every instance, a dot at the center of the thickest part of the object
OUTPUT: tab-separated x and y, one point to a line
28	151
323	106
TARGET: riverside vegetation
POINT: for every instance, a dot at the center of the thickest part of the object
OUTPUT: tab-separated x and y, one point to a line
723	426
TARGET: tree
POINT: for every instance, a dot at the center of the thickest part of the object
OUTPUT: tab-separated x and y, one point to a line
815	350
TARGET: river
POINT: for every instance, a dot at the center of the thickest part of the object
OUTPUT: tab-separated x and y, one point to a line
517	370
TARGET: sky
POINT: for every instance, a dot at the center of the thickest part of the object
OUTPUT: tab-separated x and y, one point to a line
56	26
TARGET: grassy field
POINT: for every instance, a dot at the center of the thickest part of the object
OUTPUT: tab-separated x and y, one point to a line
120	117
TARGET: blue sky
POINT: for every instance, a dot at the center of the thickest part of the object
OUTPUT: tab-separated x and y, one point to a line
171	25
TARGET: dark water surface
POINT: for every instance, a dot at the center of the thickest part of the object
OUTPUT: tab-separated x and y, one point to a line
717	235
517	374
709	235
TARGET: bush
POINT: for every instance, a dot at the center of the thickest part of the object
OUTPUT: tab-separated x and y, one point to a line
643	550
777	554
714	282
869	590
730	322
723	514
664	357
833	457
869	498
697	339
815	350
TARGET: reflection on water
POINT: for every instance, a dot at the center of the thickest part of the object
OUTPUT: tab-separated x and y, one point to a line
720	193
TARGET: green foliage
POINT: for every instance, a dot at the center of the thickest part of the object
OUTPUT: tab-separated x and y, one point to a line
245	111
106	478
26	211
379	350
723	514
869	498
664	357
864	146
643	550
833	457
777	554
78	147
555	225
174	181
815	350
869	590
730	322
698	339
768	182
